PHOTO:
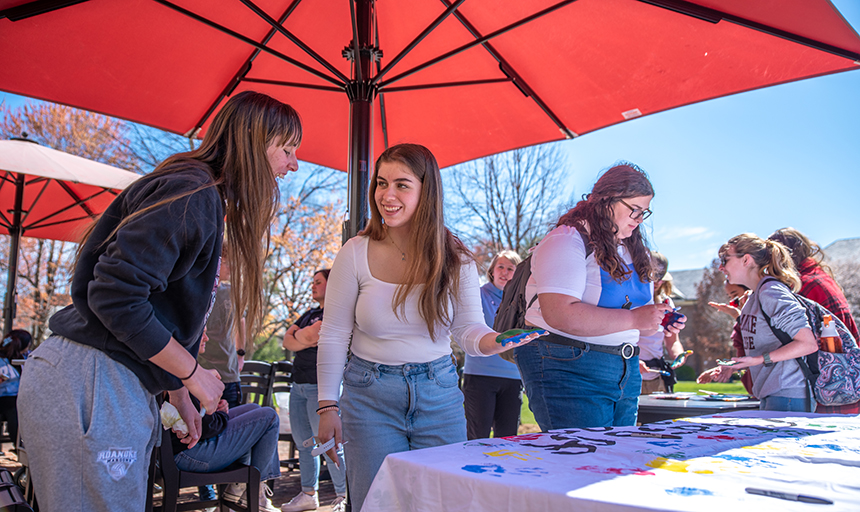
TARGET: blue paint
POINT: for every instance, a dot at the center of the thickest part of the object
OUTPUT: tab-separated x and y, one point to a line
493	469
689	491
748	462
832	447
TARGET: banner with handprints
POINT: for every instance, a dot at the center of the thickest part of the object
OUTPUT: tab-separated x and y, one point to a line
694	464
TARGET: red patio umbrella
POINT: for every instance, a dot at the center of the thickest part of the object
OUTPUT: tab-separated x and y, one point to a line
50	194
467	79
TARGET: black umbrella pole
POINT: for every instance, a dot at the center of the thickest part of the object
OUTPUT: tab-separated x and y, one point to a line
9	302
361	94
15	235
360	162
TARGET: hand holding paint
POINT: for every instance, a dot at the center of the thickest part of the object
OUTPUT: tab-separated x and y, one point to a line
518	335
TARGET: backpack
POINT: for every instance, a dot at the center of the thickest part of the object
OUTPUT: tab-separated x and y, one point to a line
512	309
835	378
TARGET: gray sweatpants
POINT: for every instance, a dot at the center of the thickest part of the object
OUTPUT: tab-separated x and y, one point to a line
88	426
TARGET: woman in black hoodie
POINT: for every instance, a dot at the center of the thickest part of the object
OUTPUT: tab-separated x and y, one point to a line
142	288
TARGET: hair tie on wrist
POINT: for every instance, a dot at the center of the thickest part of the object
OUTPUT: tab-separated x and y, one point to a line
327	407
196	364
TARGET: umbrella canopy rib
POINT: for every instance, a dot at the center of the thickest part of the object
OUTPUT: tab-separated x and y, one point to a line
292	84
449	84
249	41
515	77
424	33
715	16
278	26
240	75
479	41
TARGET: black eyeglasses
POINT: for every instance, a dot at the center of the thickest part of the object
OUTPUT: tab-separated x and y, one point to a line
637	213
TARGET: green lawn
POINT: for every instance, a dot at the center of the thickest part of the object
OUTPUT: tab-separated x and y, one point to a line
732	388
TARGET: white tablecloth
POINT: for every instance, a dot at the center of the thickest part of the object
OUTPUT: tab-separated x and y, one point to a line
708	468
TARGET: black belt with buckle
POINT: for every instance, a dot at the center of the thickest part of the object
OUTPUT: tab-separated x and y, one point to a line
626	351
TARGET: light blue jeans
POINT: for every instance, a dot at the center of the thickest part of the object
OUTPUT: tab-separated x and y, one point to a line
784	403
570	387
251	437
389	409
305	423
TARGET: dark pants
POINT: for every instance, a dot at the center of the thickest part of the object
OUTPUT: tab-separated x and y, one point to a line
9	414
492	402
232	393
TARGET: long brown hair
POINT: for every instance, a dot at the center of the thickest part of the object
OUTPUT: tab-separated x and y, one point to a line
234	151
772	258
801	248
622	181
438	253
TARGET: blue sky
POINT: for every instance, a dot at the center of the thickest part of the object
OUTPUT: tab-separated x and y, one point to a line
753	162
757	161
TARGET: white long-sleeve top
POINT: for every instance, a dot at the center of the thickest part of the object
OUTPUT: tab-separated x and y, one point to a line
359	306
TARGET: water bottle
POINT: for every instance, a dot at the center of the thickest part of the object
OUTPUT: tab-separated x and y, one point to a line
830	340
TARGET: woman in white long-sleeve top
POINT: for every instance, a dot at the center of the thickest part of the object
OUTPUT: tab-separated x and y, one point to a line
397	292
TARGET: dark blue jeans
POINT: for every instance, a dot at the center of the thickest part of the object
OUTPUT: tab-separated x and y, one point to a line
570	387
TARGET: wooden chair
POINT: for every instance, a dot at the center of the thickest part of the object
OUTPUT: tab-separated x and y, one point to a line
256	382
163	471
282	382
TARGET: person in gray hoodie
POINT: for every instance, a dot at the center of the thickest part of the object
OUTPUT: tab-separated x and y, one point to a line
766	267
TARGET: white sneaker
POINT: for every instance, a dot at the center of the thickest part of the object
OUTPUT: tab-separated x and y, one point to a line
301	502
339	504
265	500
235	493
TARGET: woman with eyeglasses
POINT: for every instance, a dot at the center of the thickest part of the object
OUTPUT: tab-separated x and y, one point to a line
766	268
593	280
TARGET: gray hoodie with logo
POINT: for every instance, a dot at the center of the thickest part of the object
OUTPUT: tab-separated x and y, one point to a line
785	378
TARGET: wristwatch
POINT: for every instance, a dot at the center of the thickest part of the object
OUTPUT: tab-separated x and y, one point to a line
767	362
240	352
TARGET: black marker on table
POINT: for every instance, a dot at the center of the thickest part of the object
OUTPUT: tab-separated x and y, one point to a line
789	496
655	435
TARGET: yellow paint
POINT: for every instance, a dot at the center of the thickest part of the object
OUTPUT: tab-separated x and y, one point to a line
516	455
675	465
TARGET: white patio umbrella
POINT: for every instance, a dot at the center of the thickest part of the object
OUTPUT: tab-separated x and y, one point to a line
49	194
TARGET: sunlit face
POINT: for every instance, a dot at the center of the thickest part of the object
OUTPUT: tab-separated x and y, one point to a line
318	287
734	291
282	158
623	214
503	271
731	264
398	193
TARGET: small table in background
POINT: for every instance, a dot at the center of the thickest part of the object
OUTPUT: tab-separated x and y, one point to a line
653	409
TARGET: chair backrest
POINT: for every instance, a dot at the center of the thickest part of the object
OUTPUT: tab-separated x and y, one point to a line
256	379
282	380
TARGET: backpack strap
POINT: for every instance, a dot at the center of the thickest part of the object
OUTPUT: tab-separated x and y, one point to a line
588	251
783	337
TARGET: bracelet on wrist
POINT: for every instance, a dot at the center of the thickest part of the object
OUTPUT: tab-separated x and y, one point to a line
196	364
325	408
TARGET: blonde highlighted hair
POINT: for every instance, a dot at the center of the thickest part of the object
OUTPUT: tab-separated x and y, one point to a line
438	254
772	258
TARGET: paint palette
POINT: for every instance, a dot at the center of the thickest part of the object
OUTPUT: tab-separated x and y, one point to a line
673	396
727	398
